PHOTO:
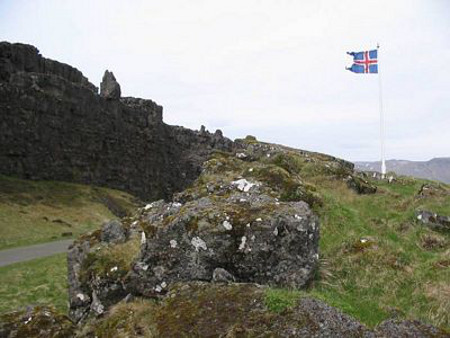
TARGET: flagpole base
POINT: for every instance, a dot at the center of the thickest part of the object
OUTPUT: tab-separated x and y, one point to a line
383	169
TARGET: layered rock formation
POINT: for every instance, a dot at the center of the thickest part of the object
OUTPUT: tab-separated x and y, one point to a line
55	125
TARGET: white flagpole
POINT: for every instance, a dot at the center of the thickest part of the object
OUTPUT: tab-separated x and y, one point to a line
383	163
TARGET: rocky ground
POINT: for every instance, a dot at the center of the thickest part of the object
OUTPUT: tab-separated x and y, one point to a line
209	262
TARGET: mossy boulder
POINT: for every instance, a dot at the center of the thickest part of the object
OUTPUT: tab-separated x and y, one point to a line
34	322
254	237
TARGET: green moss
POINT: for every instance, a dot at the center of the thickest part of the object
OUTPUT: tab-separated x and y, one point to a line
133	319
37	322
112	261
278	300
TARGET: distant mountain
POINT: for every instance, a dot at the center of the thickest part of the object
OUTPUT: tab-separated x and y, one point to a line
434	169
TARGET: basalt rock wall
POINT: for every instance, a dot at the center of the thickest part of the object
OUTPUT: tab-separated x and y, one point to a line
54	125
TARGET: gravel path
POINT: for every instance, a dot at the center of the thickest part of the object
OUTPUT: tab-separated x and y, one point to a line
21	254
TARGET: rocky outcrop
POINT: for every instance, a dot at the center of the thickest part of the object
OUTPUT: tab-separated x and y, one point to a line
433	220
360	185
17	59
236	223
109	87
55	125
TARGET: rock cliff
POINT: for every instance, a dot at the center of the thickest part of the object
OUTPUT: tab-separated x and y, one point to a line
55	125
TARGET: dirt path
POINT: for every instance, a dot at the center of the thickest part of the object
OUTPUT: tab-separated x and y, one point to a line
21	254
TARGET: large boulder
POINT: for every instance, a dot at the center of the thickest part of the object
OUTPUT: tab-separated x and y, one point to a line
252	236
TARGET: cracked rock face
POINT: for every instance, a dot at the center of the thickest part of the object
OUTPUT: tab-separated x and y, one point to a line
247	234
109	87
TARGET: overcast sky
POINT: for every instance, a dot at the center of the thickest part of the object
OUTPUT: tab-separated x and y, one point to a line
273	69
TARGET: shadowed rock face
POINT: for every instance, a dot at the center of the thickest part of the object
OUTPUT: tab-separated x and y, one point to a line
109	88
54	125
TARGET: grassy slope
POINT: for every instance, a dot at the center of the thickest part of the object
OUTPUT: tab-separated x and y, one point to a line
39	211
40	281
403	268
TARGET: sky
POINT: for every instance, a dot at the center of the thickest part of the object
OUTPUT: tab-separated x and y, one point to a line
272	69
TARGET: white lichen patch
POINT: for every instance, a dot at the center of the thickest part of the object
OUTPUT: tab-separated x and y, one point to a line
244	185
241	155
173	243
259	219
243	241
198	244
275	232
148	206
227	225
81	296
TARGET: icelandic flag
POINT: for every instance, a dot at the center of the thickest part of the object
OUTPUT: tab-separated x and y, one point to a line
364	62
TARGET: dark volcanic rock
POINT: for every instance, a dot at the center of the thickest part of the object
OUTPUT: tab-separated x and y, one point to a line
109	87
222	276
409	328
54	125
113	232
433	220
248	235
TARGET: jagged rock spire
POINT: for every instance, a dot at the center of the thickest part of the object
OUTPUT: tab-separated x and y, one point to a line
109	87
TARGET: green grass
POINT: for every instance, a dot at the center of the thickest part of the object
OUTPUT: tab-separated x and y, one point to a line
278	300
40	211
40	281
402	270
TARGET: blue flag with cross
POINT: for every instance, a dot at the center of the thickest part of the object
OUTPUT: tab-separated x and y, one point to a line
364	62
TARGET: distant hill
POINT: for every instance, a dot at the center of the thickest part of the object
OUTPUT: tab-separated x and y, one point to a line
434	169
